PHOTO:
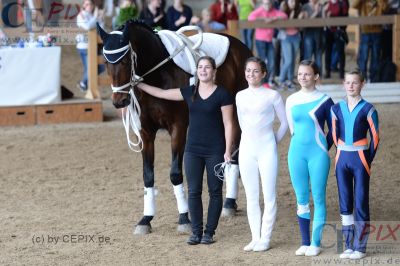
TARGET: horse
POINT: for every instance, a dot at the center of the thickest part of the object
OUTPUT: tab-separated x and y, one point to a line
138	50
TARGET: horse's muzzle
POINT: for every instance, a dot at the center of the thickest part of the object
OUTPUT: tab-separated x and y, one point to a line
122	103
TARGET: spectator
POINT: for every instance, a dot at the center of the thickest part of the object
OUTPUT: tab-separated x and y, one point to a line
222	11
127	10
178	15
387	32
245	7
264	45
87	19
290	42
206	24
336	37
153	15
313	37
370	37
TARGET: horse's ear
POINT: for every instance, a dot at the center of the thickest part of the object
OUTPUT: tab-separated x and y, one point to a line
125	33
101	32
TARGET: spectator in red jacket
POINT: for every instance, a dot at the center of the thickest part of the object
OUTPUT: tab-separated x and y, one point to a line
223	10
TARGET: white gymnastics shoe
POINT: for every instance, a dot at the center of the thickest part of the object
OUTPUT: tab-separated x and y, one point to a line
313	251
346	254
261	246
356	255
301	251
250	246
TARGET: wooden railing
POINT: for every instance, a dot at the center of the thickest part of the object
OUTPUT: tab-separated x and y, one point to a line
94	79
235	26
233	29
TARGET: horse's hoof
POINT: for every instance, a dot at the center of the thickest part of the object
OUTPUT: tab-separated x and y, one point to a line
184	229
228	212
142	230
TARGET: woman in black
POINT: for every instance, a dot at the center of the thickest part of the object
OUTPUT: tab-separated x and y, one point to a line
153	15
209	142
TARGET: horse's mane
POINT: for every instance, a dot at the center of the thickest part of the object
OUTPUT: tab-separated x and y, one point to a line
136	21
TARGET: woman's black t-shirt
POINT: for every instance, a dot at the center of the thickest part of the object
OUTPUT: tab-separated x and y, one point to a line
206	134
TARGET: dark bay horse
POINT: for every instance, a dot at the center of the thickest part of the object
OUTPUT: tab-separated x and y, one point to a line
137	42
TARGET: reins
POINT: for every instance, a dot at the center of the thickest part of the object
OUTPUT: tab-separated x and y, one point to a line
219	169
131	114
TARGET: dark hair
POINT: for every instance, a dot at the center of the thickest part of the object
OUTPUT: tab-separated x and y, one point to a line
356	71
214	66
311	64
287	10
259	61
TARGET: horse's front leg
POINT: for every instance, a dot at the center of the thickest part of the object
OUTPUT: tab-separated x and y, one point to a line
144	226
178	138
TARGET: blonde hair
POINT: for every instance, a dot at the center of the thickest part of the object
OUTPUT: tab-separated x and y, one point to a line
356	71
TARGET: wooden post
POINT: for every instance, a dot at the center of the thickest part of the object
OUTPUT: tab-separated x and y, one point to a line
93	87
233	28
396	45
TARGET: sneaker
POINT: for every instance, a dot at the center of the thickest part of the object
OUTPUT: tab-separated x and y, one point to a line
291	86
356	255
272	84
313	251
194	240
81	85
301	251
207	239
281	86
250	246
346	254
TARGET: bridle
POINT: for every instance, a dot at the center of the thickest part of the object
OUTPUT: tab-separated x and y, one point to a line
131	114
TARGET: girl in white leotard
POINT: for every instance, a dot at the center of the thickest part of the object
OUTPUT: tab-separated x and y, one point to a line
256	108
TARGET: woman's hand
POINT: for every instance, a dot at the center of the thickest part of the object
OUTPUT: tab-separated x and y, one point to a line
227	157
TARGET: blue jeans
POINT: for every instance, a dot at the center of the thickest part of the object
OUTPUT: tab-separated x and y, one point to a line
290	46
369	41
100	68
265	51
194	169
334	50
313	47
247	35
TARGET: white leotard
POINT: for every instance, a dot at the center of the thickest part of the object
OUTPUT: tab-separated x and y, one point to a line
258	155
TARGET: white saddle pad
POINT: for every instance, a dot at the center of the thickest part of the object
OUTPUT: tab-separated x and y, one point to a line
213	45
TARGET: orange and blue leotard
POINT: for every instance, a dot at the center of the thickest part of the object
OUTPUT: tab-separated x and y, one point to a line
353	163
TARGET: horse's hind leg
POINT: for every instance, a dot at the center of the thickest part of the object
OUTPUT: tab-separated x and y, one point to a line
231	187
177	145
231	181
144	226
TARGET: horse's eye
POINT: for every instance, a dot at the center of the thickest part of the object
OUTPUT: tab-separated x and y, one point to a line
125	61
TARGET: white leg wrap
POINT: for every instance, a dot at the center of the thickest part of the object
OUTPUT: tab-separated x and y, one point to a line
347	219
181	198
231	178
149	201
302	209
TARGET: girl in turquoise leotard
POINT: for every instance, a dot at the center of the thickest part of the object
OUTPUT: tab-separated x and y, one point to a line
307	111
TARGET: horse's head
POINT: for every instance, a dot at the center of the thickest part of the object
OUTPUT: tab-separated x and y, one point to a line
118	56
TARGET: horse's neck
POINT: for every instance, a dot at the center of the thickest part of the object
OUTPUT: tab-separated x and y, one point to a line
150	50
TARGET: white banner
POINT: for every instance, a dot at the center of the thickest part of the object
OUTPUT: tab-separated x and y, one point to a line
30	76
